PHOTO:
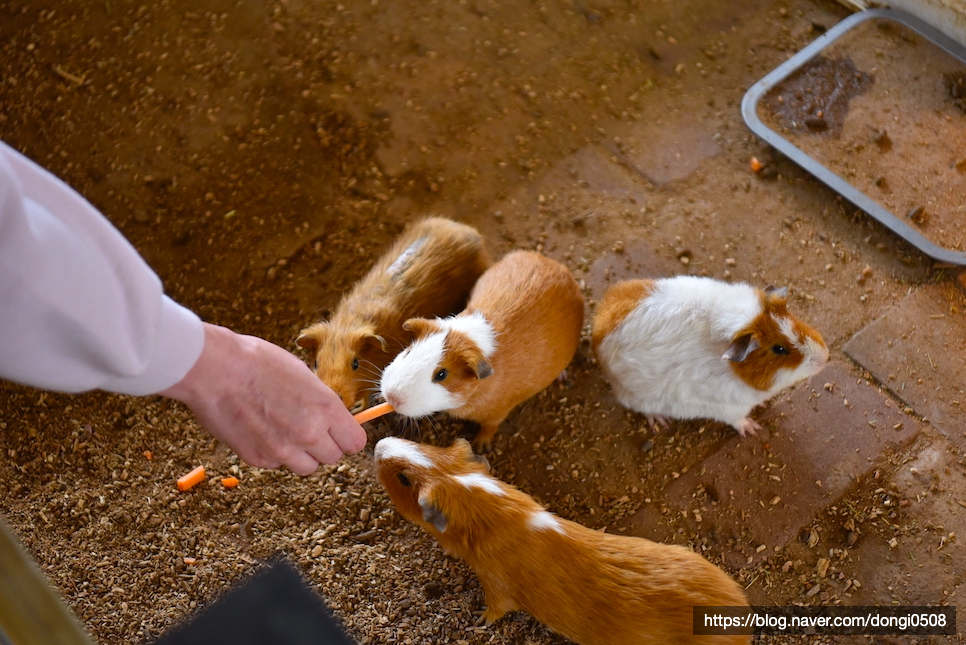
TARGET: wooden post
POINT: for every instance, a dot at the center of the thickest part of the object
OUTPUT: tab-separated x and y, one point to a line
31	612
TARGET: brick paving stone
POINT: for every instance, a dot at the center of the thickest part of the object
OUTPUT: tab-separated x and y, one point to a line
582	193
592	174
926	519
636	260
666	150
598	172
585	189
754	495
918	350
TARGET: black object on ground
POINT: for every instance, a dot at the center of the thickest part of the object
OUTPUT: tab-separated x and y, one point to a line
275	606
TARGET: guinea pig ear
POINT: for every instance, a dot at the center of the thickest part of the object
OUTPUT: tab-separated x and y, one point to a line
310	338
431	513
482	369
420	326
376	338
464	447
480	459
366	335
740	347
776	292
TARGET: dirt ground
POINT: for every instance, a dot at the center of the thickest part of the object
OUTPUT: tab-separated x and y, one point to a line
262	154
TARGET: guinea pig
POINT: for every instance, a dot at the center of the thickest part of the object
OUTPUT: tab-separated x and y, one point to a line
428	271
594	588
519	331
689	347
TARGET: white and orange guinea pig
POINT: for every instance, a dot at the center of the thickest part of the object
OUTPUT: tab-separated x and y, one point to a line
594	588
688	347
519	331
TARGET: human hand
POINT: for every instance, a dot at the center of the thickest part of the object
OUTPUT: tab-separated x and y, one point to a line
266	405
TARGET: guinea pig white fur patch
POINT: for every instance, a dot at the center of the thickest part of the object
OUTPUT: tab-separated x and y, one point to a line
545	521
395	448
407	382
688	297
477	328
479	480
405	258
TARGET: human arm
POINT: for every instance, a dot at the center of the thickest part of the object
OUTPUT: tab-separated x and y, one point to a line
81	310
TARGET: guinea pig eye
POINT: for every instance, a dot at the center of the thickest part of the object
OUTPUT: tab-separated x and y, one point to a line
440	375
404	480
355	364
781	350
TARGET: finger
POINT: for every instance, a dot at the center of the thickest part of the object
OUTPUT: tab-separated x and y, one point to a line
326	451
350	437
302	463
259	462
257	458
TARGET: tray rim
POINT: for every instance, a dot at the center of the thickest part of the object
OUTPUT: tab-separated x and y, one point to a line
749	111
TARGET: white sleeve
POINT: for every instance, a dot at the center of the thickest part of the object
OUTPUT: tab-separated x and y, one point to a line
79	308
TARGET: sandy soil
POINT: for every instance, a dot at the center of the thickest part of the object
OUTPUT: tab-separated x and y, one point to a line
262	154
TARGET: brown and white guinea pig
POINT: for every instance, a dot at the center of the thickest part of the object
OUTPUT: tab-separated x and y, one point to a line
519	331
594	588
428	271
689	347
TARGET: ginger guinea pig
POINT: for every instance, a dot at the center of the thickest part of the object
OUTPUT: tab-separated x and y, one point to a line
591	587
519	331
428	271
689	347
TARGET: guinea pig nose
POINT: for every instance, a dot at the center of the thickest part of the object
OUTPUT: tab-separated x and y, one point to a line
394	400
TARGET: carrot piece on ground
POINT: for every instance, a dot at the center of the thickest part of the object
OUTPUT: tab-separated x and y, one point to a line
229	482
196	476
374	412
148	455
756	165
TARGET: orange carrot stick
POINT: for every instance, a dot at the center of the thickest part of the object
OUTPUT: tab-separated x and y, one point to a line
374	412
196	476
229	482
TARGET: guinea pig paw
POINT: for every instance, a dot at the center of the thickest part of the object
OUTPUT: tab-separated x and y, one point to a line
747	426
487	616
483	440
656	421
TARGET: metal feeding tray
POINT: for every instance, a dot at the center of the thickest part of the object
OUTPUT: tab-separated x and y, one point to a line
812	55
